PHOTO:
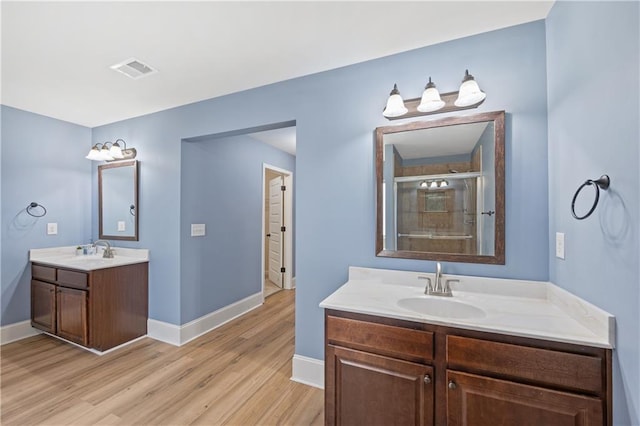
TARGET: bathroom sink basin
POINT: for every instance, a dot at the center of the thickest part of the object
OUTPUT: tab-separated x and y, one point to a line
441	307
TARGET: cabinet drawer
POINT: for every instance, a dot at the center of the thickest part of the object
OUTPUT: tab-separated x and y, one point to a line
541	366
399	342
72	278
45	273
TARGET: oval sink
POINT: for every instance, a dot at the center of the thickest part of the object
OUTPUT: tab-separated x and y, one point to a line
441	307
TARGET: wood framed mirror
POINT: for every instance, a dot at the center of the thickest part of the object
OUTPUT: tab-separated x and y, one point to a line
440	189
118	200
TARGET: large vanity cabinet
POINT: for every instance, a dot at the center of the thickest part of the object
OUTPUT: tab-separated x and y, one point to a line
99	309
383	371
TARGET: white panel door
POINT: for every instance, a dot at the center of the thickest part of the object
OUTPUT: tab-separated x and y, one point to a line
275	233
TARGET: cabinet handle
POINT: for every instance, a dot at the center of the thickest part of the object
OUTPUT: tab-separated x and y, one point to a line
452	385
427	378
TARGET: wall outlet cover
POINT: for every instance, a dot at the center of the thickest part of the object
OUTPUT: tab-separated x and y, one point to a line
121	225
560	245
198	230
52	228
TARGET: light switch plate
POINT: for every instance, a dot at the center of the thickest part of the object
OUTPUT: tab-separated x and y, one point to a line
121	225
560	245
52	228
198	229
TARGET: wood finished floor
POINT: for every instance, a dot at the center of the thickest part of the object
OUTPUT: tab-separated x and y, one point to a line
238	374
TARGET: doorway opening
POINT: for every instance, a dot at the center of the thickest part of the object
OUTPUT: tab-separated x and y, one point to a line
277	220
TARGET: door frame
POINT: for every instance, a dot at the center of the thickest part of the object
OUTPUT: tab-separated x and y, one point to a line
287	221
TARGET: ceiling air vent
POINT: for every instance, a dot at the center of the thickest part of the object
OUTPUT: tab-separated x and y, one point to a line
133	68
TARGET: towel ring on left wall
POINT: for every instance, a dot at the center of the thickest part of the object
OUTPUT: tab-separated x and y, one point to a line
34	205
602	183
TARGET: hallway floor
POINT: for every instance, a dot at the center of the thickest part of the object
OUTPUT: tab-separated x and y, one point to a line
270	288
238	374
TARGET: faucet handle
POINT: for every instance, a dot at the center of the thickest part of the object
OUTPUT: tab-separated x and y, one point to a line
449	281
447	286
428	289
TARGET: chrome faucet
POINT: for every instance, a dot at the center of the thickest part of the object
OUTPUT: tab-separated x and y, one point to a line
439	288
108	251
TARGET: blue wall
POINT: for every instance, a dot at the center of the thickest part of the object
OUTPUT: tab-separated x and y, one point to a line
593	86
42	161
222	187
335	176
592	106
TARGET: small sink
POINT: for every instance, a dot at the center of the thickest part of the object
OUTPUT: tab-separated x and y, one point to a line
441	307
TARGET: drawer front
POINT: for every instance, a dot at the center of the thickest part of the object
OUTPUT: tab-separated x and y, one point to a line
45	273
399	342
541	366
72	278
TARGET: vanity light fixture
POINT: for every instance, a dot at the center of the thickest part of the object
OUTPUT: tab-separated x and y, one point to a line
111	151
395	104
469	92
434	184
432	102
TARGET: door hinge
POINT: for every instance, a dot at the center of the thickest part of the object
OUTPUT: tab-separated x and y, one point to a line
283	269
283	188
283	228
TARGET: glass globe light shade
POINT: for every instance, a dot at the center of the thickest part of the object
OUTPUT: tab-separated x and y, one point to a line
395	105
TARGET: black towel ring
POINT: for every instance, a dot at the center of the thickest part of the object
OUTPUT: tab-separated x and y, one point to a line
132	210
602	183
34	205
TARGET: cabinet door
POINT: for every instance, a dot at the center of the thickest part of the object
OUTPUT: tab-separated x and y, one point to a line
477	401
367	389
72	315
43	306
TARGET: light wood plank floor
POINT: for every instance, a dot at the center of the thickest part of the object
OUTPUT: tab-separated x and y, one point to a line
237	374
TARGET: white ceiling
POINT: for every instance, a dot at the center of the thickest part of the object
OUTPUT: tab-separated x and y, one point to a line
56	55
283	139
437	141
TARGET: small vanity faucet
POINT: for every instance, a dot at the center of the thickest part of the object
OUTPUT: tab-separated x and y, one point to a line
439	288
108	252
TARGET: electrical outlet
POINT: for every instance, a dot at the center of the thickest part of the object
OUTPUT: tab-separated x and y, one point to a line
560	245
52	228
121	226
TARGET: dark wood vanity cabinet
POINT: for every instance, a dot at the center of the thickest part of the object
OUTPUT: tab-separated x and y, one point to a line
43	306
381	371
99	309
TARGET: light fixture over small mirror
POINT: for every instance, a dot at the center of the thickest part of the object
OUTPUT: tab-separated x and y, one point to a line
111	151
432	102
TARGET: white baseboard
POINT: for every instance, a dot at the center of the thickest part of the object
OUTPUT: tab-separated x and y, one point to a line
163	331
293	282
206	323
179	335
308	371
17	331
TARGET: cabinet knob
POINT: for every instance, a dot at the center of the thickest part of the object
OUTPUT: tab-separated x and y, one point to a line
427	378
452	385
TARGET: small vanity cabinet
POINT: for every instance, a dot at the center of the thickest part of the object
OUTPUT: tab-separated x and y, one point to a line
99	309
383	371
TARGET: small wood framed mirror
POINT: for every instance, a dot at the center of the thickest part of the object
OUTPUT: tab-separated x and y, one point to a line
118	200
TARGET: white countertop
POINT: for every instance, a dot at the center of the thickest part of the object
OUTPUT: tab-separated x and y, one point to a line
65	257
533	309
